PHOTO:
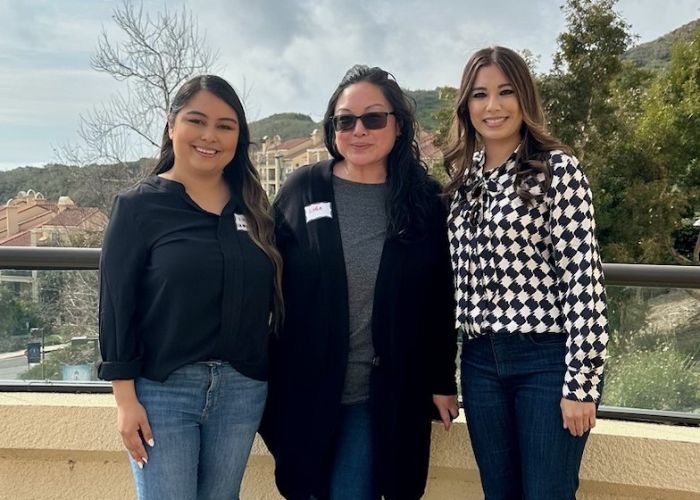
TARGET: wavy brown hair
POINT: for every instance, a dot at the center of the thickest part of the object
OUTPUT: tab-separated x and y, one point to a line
242	177
535	143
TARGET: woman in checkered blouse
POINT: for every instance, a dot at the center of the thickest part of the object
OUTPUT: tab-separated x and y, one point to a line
529	284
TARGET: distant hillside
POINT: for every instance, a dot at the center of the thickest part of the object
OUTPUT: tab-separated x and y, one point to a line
427	104
286	125
657	53
89	186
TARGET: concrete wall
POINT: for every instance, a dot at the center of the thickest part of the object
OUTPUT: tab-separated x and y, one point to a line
55	446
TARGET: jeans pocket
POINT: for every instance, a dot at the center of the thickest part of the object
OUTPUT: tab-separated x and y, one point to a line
546	339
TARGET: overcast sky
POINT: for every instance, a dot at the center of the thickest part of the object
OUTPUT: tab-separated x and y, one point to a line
285	55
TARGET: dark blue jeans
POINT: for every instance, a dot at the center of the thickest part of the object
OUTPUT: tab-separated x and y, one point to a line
512	387
352	475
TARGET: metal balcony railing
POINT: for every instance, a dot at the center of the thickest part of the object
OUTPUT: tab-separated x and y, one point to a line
642	275
636	275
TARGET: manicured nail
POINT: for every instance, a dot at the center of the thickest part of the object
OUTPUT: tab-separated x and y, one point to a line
151	442
139	464
145	460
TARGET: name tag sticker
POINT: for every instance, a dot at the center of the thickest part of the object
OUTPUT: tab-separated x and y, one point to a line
241	222
318	211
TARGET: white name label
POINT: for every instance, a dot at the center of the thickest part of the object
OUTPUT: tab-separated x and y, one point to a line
318	211
241	222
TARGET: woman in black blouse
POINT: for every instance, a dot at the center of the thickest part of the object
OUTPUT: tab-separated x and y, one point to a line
530	293
366	354
189	279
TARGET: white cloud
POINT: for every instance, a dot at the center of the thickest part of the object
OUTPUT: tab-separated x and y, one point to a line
297	59
286	56
50	95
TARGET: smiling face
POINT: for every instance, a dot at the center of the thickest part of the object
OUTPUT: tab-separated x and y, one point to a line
204	134
362	147
494	109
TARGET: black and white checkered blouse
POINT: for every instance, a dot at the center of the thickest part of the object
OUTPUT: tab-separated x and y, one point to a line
532	267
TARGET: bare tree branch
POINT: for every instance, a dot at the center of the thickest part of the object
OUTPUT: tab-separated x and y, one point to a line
157	53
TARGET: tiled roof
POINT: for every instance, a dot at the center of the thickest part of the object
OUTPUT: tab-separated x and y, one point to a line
71	216
291	143
23	239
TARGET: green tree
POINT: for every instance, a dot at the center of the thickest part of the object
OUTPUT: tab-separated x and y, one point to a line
18	315
428	103
577	91
670	130
649	167
443	117
443	120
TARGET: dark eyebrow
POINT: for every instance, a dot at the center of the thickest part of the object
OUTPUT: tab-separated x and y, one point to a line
199	113
366	107
500	86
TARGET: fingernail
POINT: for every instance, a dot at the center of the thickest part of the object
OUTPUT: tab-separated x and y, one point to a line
140	465
151	442
145	460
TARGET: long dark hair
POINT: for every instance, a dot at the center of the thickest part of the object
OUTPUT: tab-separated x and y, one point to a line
535	142
409	189
239	173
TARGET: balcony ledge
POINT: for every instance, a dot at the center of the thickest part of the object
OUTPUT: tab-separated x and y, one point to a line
65	446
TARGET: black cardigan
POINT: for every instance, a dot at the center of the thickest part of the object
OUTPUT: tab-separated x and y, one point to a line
413	334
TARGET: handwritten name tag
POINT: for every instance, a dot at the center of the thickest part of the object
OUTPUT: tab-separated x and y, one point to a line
318	211
241	222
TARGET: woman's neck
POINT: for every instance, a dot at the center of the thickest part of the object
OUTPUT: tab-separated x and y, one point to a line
496	153
366	174
210	191
195	182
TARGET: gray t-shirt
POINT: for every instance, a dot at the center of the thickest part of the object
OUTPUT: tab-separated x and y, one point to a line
361	212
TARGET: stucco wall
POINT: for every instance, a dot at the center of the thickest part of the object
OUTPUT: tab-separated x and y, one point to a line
55	446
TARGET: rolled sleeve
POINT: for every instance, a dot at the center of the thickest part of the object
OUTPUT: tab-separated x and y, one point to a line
121	266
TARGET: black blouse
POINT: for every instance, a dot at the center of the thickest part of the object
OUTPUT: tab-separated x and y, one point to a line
179	285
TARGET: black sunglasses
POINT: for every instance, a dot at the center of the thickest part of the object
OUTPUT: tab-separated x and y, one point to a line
373	120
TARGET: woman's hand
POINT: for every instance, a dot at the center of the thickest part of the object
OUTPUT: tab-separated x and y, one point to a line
447	406
132	421
578	417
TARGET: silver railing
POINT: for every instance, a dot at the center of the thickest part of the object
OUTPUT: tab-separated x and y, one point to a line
635	275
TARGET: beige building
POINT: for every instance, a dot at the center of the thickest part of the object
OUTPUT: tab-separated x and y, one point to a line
29	220
276	159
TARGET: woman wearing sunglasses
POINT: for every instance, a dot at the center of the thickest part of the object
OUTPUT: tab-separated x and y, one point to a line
530	295
366	353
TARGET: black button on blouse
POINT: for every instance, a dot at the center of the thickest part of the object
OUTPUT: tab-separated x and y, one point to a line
179	284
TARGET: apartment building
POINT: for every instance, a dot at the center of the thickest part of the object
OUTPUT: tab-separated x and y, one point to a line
30	220
275	159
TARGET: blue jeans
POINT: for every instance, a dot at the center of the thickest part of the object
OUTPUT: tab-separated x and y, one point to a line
352	474
512	388
204	418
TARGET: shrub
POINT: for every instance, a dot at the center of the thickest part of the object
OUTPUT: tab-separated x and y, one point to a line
661	379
